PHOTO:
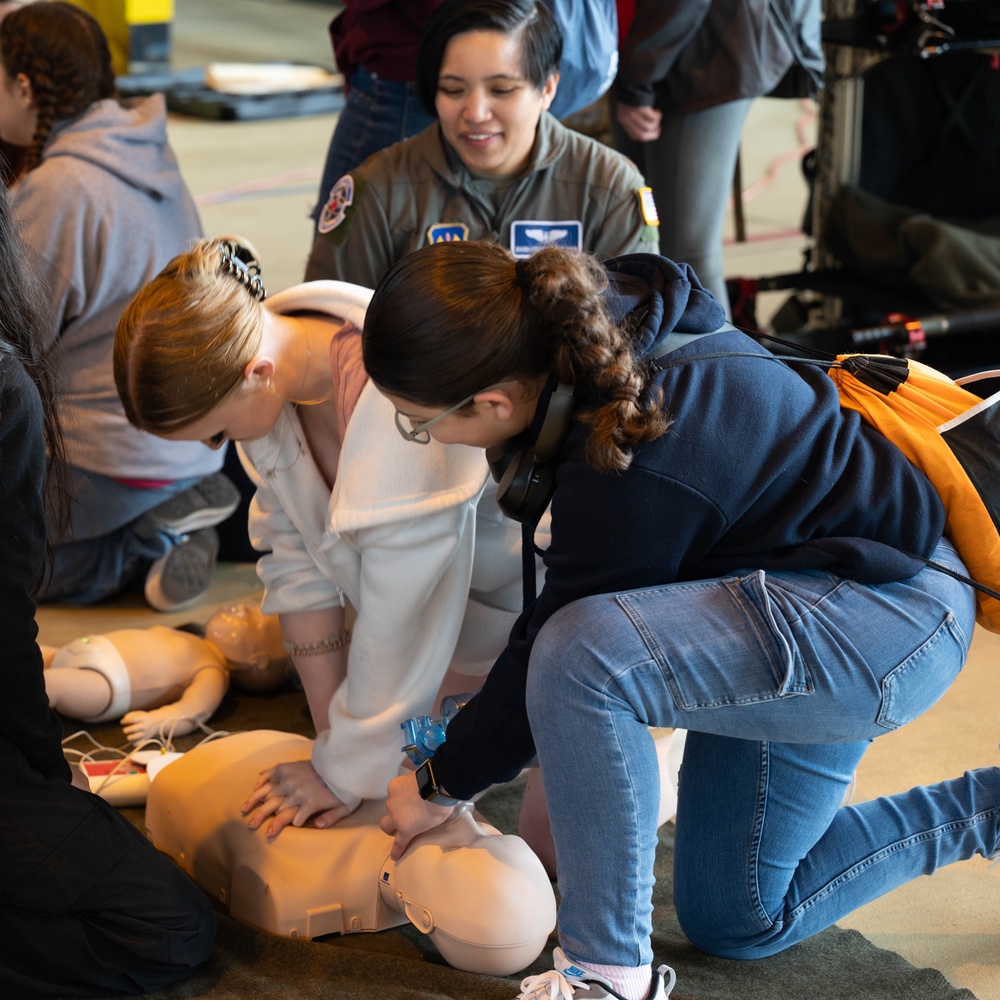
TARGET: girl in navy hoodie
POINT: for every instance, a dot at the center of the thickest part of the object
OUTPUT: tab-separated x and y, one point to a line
727	557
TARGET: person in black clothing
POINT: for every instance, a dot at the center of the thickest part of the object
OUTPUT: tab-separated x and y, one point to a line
87	905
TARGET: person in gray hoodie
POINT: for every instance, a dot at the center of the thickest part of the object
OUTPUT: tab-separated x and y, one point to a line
103	206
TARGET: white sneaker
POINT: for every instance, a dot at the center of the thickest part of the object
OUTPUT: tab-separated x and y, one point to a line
568	980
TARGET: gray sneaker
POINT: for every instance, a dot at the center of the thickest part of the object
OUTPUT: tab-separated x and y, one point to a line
182	576
568	980
209	502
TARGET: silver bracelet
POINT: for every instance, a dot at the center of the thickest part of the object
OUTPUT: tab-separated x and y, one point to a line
327	645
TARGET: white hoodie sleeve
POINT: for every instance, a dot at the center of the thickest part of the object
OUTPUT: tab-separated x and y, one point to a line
413	589
292	577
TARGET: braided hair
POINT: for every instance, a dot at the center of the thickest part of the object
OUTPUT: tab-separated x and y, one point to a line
590	350
62	51
451	318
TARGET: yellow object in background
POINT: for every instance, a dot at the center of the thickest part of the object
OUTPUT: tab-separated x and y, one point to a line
138	31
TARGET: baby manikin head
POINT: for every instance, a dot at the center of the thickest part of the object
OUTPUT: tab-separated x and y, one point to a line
251	642
483	898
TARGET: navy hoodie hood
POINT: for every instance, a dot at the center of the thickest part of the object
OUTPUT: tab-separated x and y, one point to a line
668	296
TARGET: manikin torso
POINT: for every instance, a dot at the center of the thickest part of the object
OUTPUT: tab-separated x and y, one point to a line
162	662
483	898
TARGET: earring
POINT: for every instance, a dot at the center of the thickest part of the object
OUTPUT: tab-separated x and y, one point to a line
269	387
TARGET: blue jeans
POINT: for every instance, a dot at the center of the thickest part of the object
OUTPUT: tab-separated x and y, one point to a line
690	169
108	545
376	113
782	680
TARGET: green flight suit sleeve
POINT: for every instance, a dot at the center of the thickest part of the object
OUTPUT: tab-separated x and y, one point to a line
357	245
629	222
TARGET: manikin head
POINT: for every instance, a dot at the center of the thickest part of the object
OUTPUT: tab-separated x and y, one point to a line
483	898
251	642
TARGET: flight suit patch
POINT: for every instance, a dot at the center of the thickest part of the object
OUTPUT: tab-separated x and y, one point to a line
647	206
528	235
447	232
334	212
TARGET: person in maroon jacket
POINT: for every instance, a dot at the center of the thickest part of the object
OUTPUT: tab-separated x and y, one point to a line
375	45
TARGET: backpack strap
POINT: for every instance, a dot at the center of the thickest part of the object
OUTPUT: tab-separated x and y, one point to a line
954	574
675	341
679	340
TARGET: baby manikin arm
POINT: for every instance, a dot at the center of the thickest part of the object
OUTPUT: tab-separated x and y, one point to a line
482	898
200	699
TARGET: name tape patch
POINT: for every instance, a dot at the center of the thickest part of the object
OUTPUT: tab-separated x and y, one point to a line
529	235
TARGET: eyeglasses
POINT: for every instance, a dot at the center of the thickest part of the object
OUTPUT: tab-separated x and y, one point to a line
421	433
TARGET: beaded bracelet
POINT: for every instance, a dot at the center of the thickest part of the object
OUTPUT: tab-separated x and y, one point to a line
327	645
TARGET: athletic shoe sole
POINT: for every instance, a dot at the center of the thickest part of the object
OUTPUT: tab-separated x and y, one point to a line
208	503
180	578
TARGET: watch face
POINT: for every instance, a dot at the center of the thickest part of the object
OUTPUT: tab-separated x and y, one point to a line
425	780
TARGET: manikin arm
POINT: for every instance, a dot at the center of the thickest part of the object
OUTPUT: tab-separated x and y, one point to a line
200	699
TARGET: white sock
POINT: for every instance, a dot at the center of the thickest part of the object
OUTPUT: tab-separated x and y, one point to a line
629	982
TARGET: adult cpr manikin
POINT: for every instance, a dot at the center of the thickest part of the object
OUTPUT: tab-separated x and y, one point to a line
482	897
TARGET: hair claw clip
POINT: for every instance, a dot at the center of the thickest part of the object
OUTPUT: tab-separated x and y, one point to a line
240	262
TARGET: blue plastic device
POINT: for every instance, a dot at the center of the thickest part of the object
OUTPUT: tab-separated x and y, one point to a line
425	733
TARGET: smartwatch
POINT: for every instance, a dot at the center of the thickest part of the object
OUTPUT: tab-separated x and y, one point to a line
428	786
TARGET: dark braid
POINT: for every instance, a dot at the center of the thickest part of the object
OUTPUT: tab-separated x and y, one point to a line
451	318
591	351
62	51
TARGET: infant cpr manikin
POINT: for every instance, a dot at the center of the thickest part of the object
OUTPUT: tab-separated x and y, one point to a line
482	897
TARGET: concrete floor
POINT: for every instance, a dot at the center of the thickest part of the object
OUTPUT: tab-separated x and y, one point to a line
258	179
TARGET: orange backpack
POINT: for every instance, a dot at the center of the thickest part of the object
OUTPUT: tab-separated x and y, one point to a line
951	434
